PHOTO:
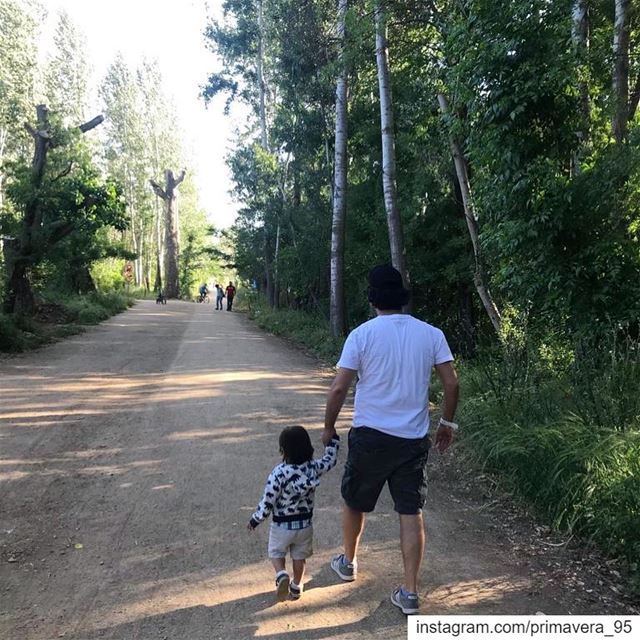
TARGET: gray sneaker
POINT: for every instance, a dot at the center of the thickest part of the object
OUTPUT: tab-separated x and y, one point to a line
346	570
408	602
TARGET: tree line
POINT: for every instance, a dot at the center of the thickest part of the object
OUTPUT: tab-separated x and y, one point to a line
88	178
488	150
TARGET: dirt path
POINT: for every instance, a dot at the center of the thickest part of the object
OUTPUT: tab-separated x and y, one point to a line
132	456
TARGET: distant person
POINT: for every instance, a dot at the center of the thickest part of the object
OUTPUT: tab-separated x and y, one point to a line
289	495
219	297
231	294
203	291
393	356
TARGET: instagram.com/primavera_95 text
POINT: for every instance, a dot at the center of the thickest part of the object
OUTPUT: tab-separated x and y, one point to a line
540	627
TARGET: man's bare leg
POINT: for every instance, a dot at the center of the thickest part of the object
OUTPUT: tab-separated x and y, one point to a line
352	527
412	543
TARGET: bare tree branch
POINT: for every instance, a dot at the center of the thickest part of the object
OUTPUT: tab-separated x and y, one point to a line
158	190
31	130
64	173
92	124
181	177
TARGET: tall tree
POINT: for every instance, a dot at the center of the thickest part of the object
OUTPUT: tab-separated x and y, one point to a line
337	318
394	222
67	72
41	226
621	33
169	195
18	57
162	148
580	38
462	173
127	153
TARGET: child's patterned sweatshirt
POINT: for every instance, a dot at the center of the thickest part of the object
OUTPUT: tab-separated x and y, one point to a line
290	490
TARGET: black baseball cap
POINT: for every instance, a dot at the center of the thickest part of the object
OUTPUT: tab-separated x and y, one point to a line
386	290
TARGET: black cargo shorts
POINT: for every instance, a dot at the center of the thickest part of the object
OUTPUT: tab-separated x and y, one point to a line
375	458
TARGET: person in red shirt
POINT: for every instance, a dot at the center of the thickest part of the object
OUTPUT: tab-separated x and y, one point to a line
230	292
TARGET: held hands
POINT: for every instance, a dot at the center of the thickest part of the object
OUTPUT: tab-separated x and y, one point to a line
328	434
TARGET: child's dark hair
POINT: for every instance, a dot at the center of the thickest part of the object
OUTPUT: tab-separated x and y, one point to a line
295	445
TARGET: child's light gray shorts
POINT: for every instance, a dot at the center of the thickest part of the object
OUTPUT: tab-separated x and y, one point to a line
298	541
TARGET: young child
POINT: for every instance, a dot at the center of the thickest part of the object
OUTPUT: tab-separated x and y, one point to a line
289	494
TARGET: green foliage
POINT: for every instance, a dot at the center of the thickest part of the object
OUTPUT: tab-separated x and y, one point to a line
309	330
541	426
95	307
57	318
79	204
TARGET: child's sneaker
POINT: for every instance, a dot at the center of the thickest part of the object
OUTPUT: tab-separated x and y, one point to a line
282	585
404	600
346	570
295	591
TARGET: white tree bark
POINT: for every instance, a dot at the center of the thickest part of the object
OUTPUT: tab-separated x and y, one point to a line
396	239
580	38
172	239
264	134
462	174
336	304
621	29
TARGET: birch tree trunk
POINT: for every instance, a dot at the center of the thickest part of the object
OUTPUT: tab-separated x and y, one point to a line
264	143
621	35
336	304
172	241
276	259
462	174
264	136
159	247
396	239
3	142
580	38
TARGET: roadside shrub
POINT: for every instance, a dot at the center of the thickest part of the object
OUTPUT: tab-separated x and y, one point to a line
96	307
10	336
544	428
308	330
59	317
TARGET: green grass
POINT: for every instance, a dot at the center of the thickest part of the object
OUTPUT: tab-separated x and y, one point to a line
310	331
541	428
57	318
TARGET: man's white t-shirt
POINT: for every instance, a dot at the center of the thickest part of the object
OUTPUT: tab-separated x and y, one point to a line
394	356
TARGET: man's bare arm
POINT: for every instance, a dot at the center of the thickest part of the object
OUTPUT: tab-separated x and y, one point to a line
449	379
335	399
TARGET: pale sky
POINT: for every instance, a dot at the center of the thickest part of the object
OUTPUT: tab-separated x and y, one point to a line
170	31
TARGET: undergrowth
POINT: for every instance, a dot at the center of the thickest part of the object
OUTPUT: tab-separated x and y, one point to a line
57	317
310	330
565	434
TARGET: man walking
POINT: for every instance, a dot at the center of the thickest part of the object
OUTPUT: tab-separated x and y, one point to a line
231	294
393	356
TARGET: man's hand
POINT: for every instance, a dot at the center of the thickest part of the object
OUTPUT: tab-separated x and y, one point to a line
444	438
449	380
328	434
335	399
